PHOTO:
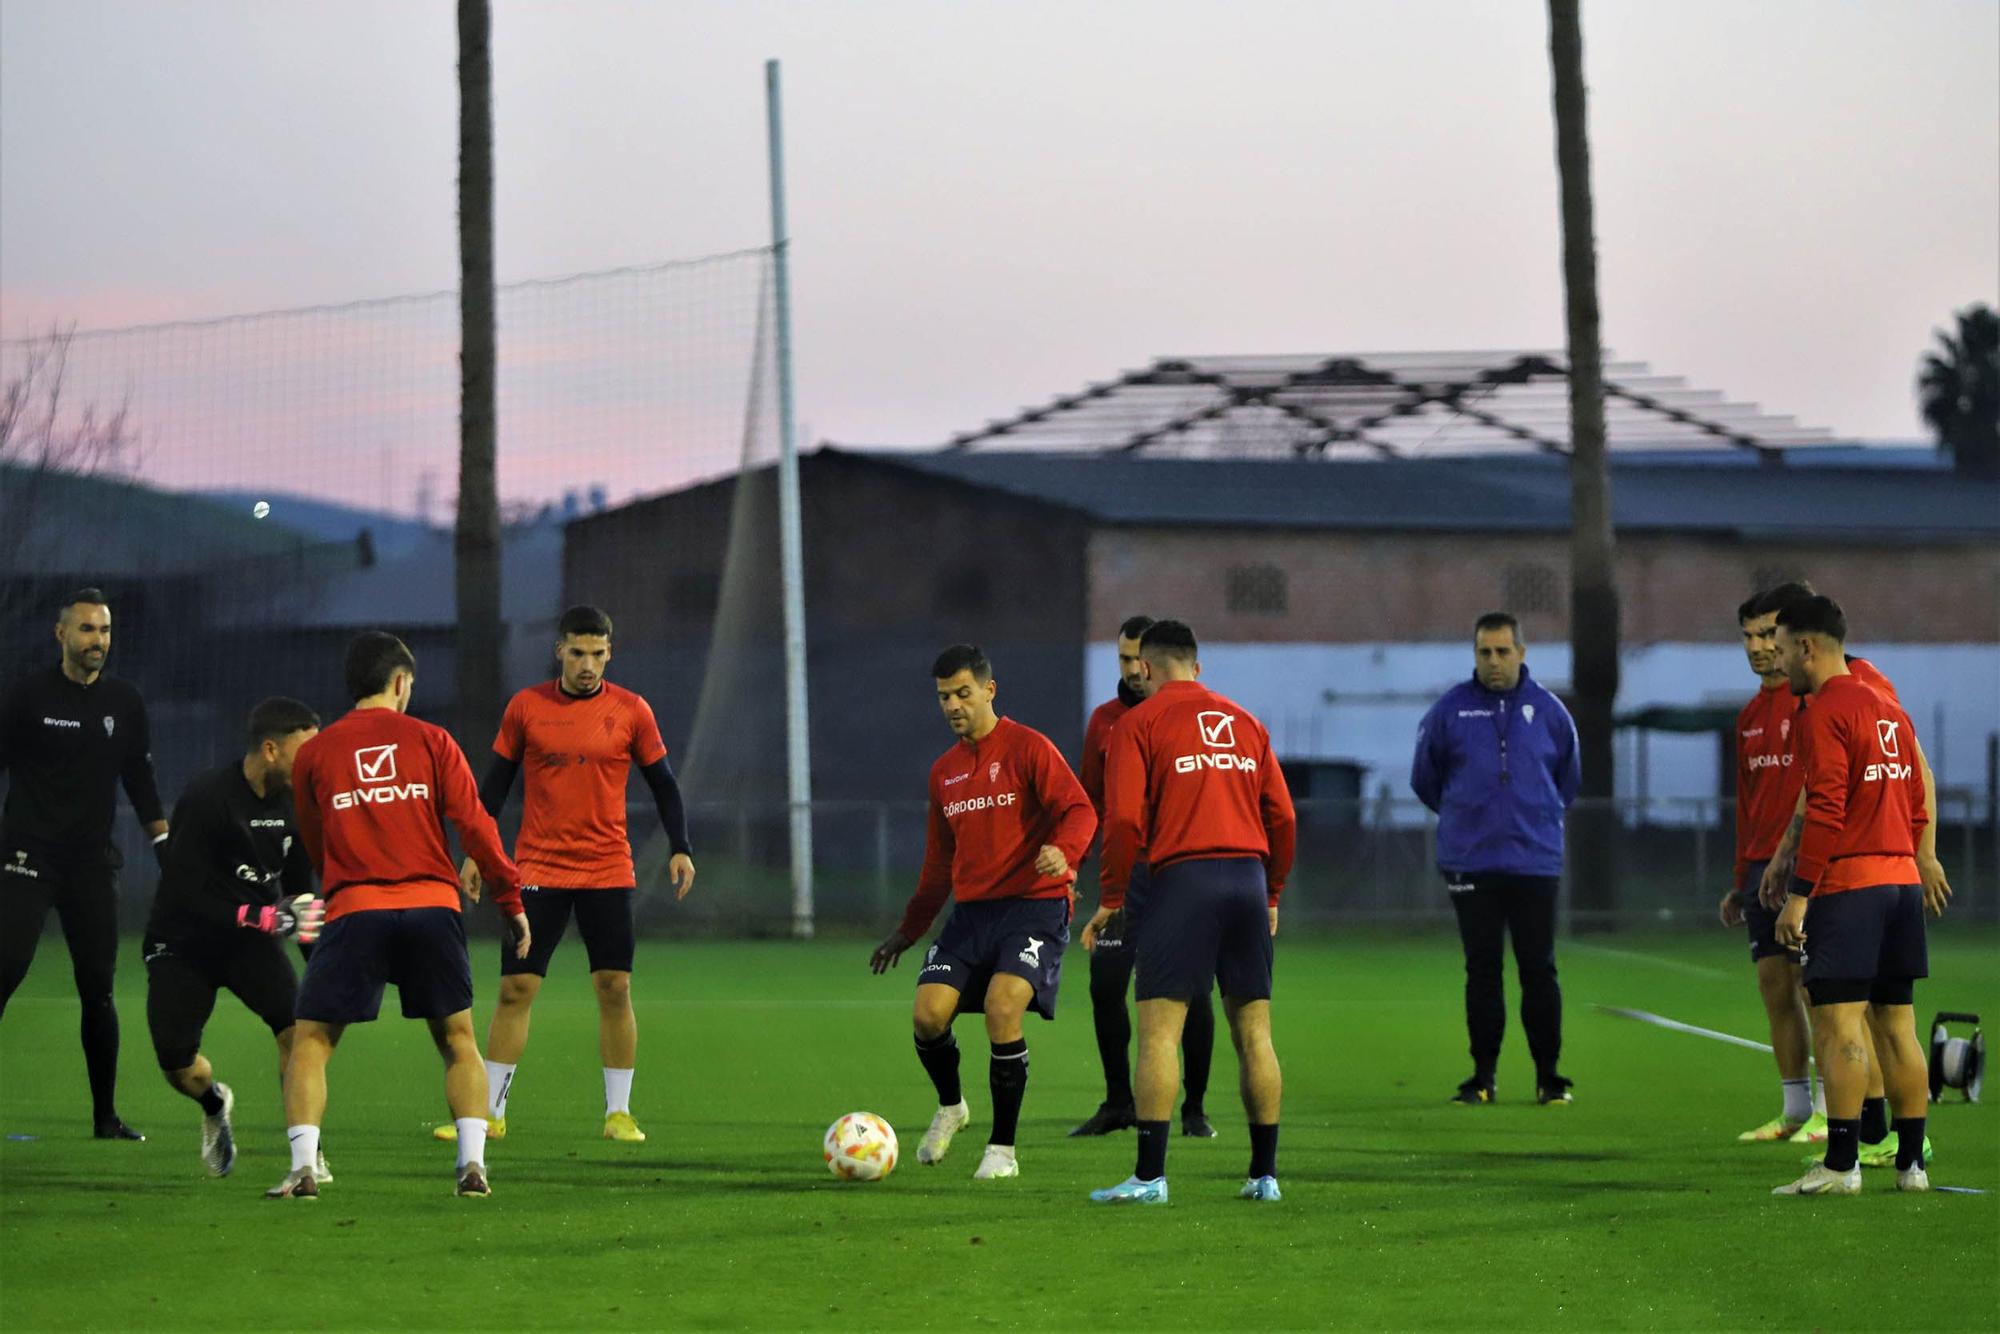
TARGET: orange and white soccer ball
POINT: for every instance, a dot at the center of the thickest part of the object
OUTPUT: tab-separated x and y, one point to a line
860	1146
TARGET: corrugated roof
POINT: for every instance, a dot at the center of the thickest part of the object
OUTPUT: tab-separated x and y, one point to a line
1525	493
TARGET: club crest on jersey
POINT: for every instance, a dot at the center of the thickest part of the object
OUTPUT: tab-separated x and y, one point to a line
993	771
1218	730
110	724
1528	712
1885	733
1784	729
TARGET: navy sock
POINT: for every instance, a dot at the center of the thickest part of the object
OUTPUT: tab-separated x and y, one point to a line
940	1058
1874	1120
1909	1142
1008	1078
1152	1151
211	1101
1843	1144
1264	1150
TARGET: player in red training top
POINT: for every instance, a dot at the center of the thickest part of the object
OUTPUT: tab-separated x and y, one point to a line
1876	1148
577	737
1112	957
373	791
1855	908
1191	780
1008	824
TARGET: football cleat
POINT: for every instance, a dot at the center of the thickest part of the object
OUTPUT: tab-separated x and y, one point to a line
1813	1131
1474	1092
1915	1179
1106	1119
1776	1128
1262	1189
1553	1093
1884	1154
218	1139
998	1161
1196	1126
113	1128
472	1181
1821	1180
1133	1191
937	1140
297	1185
496	1128
621	1126
321	1172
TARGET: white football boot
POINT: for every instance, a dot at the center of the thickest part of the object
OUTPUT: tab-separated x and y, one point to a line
998	1161
937	1140
1820	1180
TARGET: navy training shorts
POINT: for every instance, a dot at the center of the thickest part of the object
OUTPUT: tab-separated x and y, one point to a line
1760	923
421	950
1024	937
1201	924
1865	945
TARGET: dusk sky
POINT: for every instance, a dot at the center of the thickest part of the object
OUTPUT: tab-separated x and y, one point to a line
996	203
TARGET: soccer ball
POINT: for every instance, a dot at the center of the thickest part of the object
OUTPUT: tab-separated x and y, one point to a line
860	1146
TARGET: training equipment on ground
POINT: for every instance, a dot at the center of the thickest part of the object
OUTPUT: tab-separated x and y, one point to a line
218	1139
937	1140
1264	1190
860	1146
1957	1063
1819	1180
1133	1191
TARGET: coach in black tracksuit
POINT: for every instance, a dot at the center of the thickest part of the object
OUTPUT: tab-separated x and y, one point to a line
68	737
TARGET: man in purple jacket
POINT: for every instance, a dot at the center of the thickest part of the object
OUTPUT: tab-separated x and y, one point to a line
1497	759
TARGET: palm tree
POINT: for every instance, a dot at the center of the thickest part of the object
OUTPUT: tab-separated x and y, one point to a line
477	540
1959	391
1593	607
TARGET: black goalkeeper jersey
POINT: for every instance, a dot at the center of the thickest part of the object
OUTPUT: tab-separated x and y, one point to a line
230	847
65	749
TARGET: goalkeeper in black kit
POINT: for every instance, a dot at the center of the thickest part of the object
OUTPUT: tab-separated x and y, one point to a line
236	885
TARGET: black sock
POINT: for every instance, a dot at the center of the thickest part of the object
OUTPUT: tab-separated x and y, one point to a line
1152	1151
1197	1052
940	1058
1264	1150
1909	1142
1007	1076
211	1101
1843	1144
1874	1120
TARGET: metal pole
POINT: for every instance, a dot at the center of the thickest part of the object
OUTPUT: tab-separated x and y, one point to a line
791	543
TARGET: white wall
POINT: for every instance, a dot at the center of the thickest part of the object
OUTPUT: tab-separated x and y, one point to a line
1362	702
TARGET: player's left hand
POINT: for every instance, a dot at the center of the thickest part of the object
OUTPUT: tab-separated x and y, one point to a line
1274	919
680	870
1790	930
1937	889
1094	926
1051	862
517	923
469	879
889	953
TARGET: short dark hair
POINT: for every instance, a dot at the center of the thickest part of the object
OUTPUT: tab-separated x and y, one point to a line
1171	640
373	658
1132	627
583	620
1815	615
1777	598
962	658
91	597
1498	620
276	718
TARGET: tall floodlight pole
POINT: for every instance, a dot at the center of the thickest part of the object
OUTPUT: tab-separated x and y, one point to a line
791	541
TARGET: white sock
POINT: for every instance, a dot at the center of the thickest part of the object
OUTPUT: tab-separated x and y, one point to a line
1798	1100
617	1091
305	1145
1819	1097
499	1083
471	1140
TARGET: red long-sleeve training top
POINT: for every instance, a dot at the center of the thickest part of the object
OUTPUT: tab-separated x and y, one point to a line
1190	775
1864	791
1096	742
373	791
994	803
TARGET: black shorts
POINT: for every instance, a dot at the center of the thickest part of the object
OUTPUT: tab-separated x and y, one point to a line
1201	924
1024	937
184	971
1865	945
603	919
1759	922
421	950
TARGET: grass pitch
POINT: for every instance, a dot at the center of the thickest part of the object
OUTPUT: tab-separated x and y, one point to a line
1632	1209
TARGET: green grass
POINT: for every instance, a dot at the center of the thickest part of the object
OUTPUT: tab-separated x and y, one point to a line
1632	1209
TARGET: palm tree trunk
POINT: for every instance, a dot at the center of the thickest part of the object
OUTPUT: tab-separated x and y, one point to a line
1593	630
478	535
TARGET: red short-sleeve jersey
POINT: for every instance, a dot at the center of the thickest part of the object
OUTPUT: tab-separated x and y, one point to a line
575	755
